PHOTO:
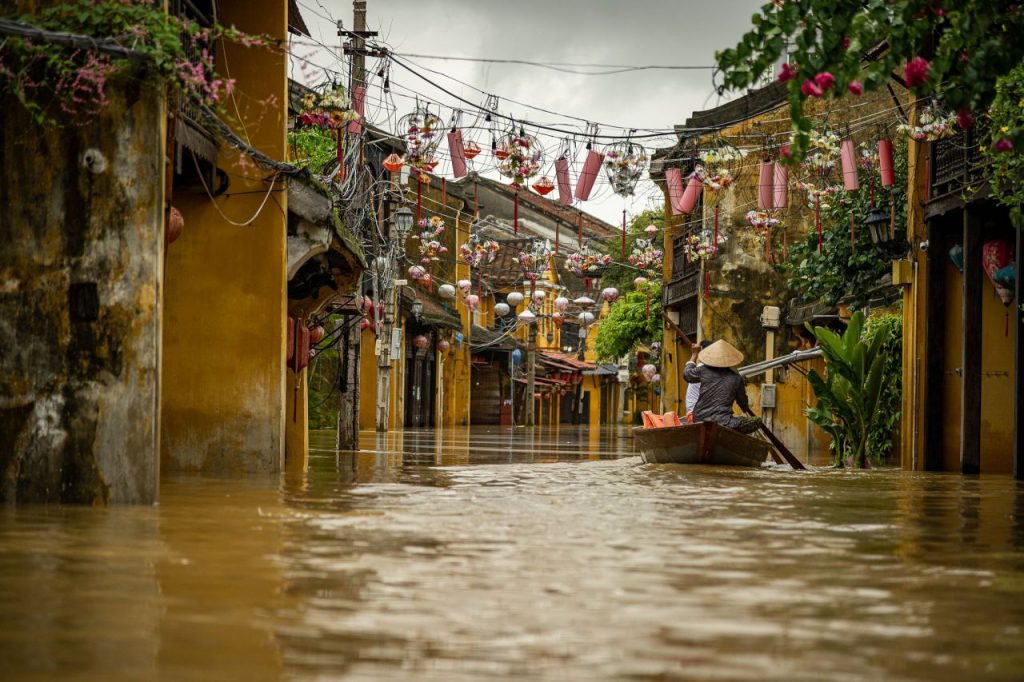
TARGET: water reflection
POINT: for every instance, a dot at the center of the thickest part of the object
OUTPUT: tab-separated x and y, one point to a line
526	555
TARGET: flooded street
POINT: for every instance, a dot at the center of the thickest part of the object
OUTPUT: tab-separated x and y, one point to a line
539	555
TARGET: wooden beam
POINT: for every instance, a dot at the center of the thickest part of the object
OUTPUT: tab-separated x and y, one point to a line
970	391
1018	367
935	347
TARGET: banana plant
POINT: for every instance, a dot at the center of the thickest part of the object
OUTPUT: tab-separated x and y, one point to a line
849	393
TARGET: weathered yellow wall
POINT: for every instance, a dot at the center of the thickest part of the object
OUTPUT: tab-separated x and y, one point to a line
997	346
914	325
224	332
367	381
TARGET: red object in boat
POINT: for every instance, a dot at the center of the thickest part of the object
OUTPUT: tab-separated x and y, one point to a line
544	186
472	149
591	167
393	163
458	153
885	163
564	182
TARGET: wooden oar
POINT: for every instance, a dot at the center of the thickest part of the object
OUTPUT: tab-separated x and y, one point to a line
780	452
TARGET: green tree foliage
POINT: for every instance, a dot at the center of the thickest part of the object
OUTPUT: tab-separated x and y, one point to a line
954	50
838	272
850	394
1007	123
628	324
887	417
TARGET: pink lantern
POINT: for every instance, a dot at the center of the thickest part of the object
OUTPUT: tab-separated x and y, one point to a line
558	319
766	185
365	324
464	285
472	302
656	379
367	305
610	294
443	346
539	296
996	255
458	153
358	104
639	282
416	272
694	188
316	334
848	160
674	182
564	183
781	186
649	371
885	163
591	167
426	280
561	304
420	341
651	230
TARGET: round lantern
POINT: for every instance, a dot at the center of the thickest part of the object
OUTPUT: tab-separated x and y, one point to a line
367	305
446	291
393	163
543	186
316	334
639	282
651	230
426	280
558	319
175	226
656	379
514	299
416	272
517	356
472	302
586	318
610	294
539	296
443	346
501	309
584	301
464	286
420	341
527	316
364	324
649	371
561	304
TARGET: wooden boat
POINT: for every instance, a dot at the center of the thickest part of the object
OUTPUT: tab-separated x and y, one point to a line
700	443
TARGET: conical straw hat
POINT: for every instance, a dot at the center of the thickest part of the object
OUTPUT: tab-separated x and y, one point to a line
721	354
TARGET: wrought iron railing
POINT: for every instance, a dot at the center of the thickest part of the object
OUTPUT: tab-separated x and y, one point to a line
681	288
958	164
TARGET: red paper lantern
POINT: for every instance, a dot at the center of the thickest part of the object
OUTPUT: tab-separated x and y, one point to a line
420	341
458	153
591	167
471	149
316	334
393	163
766	185
175	226
501	152
781	186
543	186
365	324
848	160
885	163
674	182
558	319
443	346
564	182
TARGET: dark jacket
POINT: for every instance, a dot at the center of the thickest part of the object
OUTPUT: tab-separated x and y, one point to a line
719	388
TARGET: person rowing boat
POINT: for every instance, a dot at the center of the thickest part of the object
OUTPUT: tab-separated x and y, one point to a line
720	386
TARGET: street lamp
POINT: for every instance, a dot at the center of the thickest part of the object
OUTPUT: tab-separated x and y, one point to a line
417	309
877	222
402	221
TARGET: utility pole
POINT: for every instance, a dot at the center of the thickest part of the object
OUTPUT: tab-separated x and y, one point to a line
359	43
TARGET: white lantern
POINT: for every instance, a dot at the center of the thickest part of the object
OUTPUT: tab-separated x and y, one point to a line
416	272
649	371
501	309
539	296
610	294
446	291
639	282
584	301
514	298
527	317
464	286
561	304
586	318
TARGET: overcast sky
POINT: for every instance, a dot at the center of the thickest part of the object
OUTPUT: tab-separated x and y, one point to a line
627	32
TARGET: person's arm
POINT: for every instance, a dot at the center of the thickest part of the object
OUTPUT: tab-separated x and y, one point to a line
741	395
691	372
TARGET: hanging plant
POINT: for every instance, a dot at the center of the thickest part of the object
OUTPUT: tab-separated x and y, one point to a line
702	246
535	260
521	157
932	124
762	220
646	257
624	164
429	238
422	132
586	263
476	252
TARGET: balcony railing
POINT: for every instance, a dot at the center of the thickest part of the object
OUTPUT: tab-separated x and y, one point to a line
681	288
958	165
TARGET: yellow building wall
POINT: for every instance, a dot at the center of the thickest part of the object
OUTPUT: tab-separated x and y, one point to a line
914	325
997	347
367	381
223	390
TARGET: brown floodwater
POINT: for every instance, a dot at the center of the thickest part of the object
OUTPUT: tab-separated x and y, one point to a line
529	555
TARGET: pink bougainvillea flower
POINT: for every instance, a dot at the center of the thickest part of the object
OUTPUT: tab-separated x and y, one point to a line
785	151
856	88
787	73
964	119
824	80
1004	145
915	73
811	89
846	42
